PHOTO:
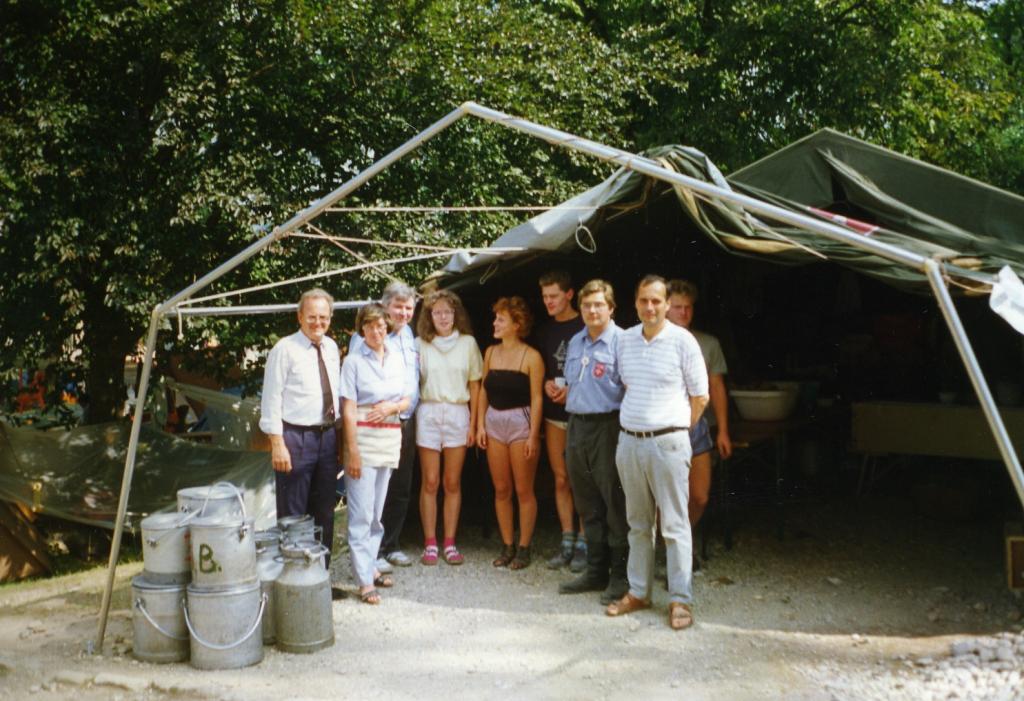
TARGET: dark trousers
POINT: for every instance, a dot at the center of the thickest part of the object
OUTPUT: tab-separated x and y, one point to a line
309	487
596	490
396	503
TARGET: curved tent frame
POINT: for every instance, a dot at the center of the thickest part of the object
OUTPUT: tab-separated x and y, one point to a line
935	271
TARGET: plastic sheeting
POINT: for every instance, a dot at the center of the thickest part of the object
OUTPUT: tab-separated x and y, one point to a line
76	474
232	421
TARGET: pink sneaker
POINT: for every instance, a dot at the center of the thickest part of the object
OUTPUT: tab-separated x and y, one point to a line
429	556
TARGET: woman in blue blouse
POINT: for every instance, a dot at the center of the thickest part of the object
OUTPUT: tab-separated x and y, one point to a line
373	394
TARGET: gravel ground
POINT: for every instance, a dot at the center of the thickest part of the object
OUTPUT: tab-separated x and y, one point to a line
859	601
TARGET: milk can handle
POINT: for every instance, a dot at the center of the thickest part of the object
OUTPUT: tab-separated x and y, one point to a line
224	484
185	518
311	554
141	606
316	552
229	646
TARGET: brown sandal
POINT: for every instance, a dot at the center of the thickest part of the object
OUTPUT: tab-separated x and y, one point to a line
627	604
680	617
522	559
508	553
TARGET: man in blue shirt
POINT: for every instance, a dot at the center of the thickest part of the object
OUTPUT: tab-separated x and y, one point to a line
400	301
595	393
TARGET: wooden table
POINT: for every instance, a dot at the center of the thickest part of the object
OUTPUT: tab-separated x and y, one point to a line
881	429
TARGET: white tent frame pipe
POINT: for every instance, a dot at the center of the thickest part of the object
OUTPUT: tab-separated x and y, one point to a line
931	269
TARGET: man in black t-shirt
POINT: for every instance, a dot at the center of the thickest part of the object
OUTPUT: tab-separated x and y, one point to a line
553	338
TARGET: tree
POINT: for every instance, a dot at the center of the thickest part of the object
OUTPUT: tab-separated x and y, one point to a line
144	143
918	76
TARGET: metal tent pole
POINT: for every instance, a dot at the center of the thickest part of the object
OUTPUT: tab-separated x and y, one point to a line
988	405
295	222
126	479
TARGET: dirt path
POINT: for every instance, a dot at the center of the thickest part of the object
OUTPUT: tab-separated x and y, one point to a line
844	607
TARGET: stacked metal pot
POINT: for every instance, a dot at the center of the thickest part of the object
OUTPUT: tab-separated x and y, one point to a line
213	590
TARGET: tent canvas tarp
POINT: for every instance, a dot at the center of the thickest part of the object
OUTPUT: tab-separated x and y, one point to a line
872	191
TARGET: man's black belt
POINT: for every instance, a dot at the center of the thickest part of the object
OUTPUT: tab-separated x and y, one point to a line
652	434
596	417
319	428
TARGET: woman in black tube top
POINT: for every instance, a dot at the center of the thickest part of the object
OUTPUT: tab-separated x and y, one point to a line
508	426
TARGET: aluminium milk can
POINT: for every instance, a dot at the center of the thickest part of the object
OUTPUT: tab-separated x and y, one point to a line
165	548
158	621
302	600
222	498
224	626
223	551
298	528
268	566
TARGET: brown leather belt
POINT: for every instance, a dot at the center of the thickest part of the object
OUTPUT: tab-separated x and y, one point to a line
652	434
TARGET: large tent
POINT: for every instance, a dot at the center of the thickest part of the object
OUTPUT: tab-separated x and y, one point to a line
749	221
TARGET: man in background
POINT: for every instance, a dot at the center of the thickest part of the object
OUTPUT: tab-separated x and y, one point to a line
682	296
553	341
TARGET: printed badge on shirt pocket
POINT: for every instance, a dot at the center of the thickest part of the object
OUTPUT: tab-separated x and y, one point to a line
603	365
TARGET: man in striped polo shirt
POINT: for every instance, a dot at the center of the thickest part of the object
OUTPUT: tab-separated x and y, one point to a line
666	391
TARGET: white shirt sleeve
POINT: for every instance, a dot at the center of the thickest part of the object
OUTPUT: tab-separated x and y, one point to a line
272	400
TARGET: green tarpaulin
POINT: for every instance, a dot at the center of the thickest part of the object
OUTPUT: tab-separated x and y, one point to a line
869	190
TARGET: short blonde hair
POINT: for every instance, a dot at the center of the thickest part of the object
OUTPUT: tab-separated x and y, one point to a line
602	286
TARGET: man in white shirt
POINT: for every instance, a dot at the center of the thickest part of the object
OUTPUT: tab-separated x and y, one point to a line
299	411
666	383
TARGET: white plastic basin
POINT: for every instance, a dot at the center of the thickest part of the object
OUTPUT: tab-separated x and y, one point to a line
766	404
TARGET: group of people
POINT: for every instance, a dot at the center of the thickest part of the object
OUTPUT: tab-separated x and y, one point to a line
621	413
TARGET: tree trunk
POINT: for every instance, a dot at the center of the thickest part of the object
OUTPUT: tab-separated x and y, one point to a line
107	340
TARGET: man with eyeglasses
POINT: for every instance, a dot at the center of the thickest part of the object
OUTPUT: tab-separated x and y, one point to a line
595	393
299	411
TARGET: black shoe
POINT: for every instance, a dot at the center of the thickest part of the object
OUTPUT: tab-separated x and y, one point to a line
337	593
615	590
584	583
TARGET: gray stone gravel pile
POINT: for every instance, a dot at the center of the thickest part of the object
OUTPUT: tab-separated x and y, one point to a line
989	668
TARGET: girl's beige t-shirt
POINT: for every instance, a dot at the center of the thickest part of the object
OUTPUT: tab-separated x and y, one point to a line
445	376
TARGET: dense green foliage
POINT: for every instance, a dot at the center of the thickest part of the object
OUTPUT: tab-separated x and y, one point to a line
141	144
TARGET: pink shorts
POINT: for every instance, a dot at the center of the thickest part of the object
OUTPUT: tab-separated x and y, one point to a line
507	425
442	425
